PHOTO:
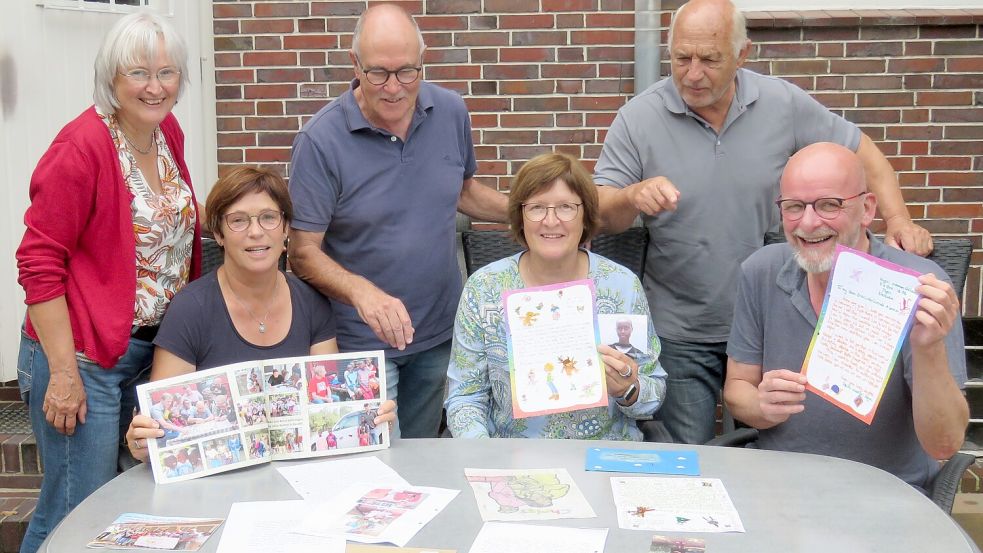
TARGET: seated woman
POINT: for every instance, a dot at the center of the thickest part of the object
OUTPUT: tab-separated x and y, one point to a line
553	211
247	309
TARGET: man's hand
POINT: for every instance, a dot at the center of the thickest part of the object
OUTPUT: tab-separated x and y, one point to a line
936	313
780	394
907	236
64	402
652	196
385	315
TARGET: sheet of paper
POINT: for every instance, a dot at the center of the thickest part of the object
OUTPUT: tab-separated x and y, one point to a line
527	494
308	479
502	537
263	526
140	531
370	514
674	505
552	339
683	462
367	548
866	314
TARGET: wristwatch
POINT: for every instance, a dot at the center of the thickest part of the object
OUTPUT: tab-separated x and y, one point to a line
628	395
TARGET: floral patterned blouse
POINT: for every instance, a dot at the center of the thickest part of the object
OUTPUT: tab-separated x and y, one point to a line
479	403
163	225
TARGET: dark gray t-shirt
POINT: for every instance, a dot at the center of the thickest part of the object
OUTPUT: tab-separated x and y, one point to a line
773	326
728	185
388	208
198	328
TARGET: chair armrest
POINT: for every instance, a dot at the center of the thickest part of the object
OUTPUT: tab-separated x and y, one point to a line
943	488
738	438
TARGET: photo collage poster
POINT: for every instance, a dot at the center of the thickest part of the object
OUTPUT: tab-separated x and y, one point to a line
254	412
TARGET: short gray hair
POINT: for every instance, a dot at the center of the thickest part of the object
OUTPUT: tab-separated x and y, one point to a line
361	22
738	31
132	41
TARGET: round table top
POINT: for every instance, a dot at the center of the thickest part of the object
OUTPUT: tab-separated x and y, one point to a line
786	501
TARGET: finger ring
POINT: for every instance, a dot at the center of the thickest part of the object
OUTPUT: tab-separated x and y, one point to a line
627	373
136	444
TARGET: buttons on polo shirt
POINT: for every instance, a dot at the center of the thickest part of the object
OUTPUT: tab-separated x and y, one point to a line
392	139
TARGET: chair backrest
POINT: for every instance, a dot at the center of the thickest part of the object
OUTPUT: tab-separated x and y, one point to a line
212	256
952	254
628	248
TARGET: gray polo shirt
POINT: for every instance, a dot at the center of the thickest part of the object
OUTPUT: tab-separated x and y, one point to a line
387	207
773	326
728	183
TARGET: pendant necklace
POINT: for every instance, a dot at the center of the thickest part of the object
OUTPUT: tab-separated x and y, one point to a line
130	143
269	307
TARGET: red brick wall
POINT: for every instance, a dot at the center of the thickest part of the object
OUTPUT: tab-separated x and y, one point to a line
547	74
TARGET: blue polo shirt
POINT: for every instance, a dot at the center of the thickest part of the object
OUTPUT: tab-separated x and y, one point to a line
387	207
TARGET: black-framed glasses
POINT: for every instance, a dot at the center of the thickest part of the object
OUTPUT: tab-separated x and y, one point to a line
167	75
564	212
379	76
239	221
826	208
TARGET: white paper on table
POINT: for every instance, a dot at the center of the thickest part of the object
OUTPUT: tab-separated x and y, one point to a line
502	537
674	505
868	309
373	514
554	365
263	526
309	479
527	494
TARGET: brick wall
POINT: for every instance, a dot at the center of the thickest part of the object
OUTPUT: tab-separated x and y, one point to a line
545	74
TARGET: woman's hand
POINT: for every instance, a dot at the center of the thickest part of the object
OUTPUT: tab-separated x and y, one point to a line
620	371
142	428
64	402
387	412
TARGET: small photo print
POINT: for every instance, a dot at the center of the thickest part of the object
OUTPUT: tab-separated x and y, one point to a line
193	410
181	461
223	451
664	544
249	380
252	410
258	444
345	426
284	405
283	377
379	508
286	440
625	332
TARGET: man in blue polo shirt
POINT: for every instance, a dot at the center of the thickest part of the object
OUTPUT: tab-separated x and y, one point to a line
376	179
700	156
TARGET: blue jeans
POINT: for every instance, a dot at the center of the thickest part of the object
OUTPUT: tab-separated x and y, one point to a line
76	465
418	381
696	373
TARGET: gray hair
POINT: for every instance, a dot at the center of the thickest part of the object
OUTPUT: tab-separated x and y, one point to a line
361	22
133	41
738	31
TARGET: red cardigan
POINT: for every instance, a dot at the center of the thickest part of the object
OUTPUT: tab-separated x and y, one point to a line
79	240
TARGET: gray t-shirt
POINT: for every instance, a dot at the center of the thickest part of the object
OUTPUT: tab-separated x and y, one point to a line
388	208
198	328
728	185
773	326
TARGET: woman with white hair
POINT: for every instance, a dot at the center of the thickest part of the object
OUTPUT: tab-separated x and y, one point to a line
112	235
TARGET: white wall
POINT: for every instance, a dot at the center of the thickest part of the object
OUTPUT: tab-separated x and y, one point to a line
804	5
46	58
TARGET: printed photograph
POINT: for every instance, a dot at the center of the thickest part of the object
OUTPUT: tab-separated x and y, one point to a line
258	444
181	461
193	410
284	405
376	510
286	440
283	378
252	410
345	426
223	451
625	333
249	380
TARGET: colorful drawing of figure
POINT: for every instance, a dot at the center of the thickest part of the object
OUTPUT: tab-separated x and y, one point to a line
529	318
640	511
512	493
555	310
554	393
589	390
569	368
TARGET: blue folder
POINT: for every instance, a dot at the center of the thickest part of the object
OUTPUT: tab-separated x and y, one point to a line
646	461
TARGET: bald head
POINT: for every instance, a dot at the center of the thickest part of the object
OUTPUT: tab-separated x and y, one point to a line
825	165
387	22
722	14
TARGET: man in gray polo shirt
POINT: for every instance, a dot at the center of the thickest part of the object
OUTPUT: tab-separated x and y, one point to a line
699	156
376	179
922	414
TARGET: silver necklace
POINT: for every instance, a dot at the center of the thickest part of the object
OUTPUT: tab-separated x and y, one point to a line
269	306
134	146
